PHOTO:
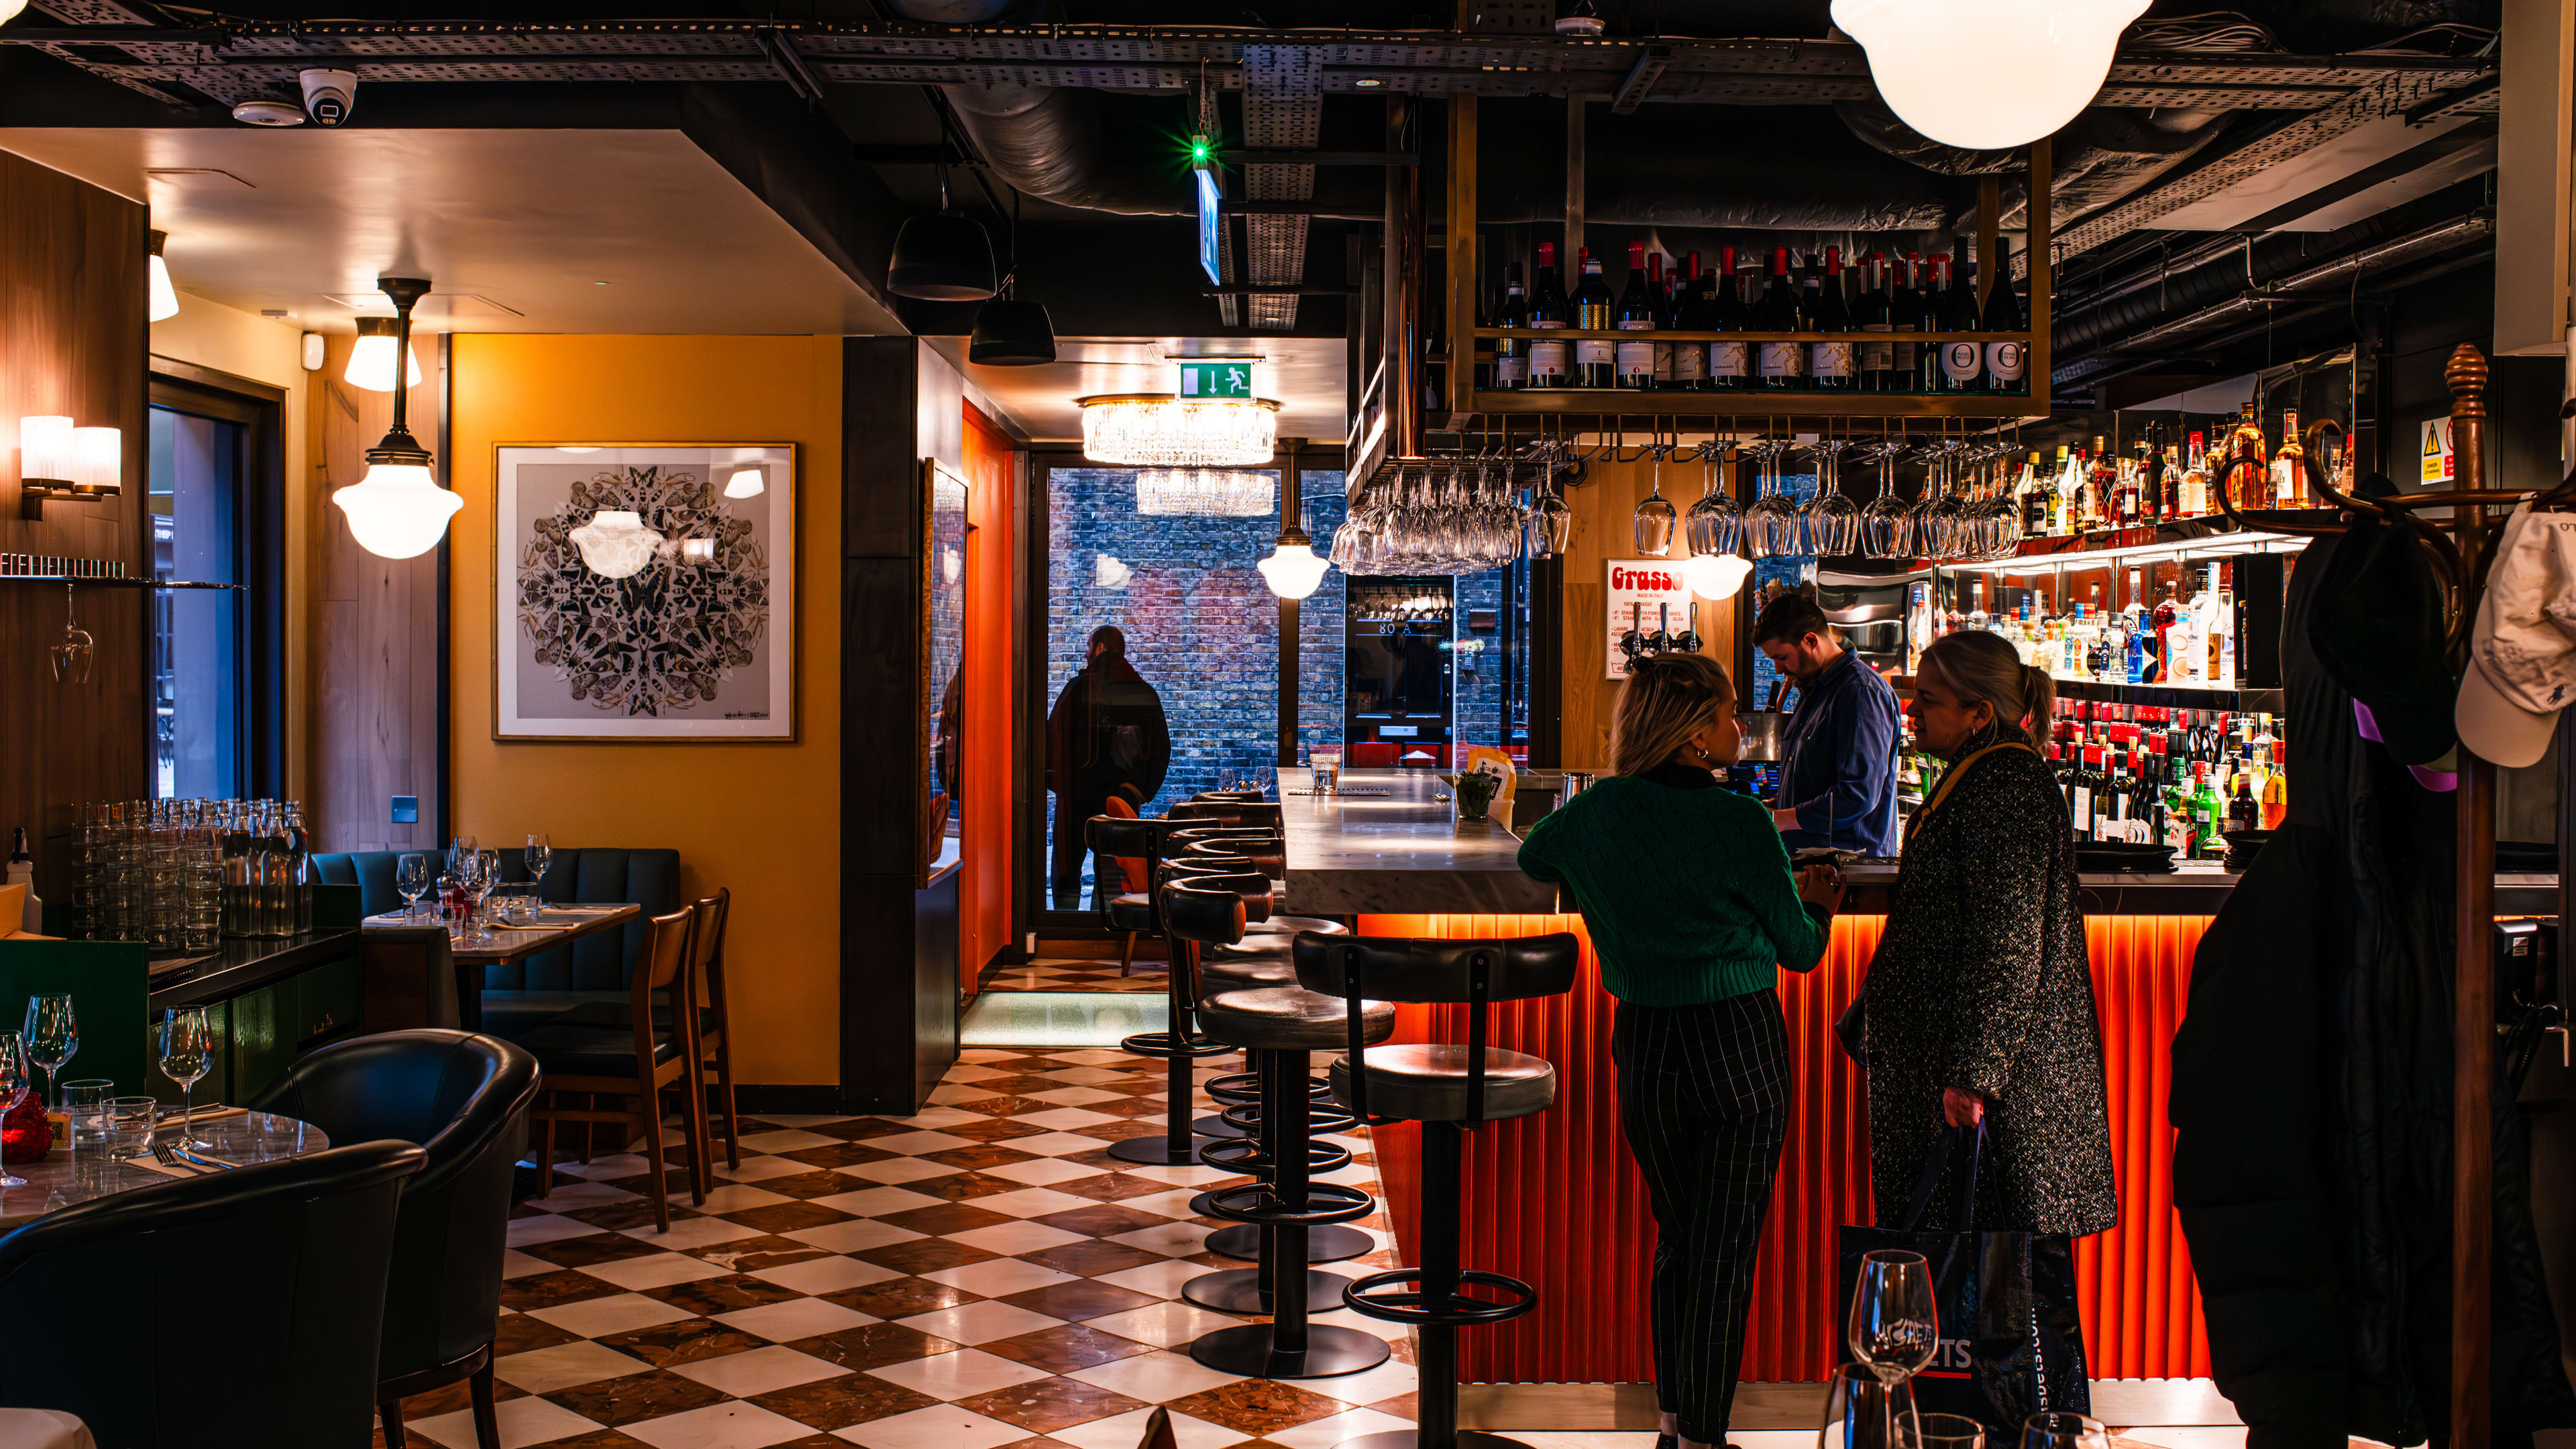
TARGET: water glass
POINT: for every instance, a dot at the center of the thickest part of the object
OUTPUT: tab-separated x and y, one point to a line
84	1111
274	1138
1862	1412
1895	1324
2064	1431
129	1126
1949	1431
1327	765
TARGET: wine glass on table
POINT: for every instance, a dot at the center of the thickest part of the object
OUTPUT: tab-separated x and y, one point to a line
539	855
412	878
52	1035
1895	1319
487	874
13	1090
187	1054
1861	1412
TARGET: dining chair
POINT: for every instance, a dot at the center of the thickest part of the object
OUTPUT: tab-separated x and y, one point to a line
633	1063
715	1016
463	1097
237	1310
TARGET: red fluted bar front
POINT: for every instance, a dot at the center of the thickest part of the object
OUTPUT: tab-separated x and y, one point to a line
1555	1199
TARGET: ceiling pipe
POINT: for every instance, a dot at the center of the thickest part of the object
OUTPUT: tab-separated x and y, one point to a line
2432	240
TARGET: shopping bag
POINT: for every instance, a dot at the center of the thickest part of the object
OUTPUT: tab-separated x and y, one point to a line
2010	1343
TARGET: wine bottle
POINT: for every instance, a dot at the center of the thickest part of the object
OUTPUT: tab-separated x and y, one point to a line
1660	276
1909	309
1550	365
1636	360
1963	364
1875	361
1829	362
1691	314
1511	354
2004	360
1783	363
2038	501
1730	364
1595	363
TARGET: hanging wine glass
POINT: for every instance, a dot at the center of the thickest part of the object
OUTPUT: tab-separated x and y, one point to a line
1887	523
1652	528
1714	525
1772	526
1551	518
73	653
1832	521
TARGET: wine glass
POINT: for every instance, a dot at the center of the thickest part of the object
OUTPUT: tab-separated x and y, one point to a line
52	1036
459	850
1714	524
2064	1431
411	877
13	1090
1948	1431
1862	1412
1895	1321
1832	520
539	855
487	874
1653	526
187	1054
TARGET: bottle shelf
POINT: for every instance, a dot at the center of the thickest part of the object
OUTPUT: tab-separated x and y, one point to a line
2240	700
2212	536
1757	403
1569	334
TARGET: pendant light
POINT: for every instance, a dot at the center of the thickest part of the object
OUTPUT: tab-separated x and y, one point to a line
1292	570
165	298
371	362
1008	331
398	510
1716	575
943	257
1987	75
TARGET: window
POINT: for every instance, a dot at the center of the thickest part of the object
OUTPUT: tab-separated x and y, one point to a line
213	497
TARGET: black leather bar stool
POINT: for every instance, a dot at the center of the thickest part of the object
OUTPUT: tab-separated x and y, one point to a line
1450	1090
1181	1045
1278	1026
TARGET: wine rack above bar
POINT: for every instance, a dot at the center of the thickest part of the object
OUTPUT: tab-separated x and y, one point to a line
1465	274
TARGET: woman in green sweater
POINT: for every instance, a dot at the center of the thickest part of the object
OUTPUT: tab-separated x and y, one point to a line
1690	903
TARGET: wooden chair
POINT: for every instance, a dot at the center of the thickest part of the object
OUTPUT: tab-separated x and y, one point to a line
634	1063
714	1019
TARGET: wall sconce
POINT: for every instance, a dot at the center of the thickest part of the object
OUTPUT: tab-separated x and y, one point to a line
165	298
59	460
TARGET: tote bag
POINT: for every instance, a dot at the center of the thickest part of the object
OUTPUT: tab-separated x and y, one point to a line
2010	1345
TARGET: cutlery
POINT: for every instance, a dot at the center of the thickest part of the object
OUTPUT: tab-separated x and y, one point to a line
169	1158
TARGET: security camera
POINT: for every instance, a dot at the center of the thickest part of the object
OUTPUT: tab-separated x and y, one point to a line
329	95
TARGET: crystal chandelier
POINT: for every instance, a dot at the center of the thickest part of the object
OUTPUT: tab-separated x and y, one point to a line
1205	493
1156	430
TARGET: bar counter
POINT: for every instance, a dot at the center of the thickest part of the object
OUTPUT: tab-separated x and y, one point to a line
1555	1200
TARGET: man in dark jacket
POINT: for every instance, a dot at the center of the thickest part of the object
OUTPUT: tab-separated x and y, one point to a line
1106	737
1838	772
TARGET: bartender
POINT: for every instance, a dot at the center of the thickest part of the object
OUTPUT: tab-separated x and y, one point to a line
1838	771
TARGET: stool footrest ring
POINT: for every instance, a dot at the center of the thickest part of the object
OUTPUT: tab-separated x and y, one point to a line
1159	1044
1455	1310
1256	1203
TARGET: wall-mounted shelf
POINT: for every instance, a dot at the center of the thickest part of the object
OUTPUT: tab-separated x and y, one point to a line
2154	696
112	583
1755	405
1565	334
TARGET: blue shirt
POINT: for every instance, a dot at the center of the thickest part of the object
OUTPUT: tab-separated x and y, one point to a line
1840	770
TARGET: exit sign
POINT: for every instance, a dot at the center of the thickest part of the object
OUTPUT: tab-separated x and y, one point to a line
1216	379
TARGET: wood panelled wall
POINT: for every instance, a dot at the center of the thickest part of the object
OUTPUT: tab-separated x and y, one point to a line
73	338
375	653
1605	505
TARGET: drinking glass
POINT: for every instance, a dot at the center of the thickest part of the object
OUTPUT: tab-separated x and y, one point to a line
13	1090
1894	1325
187	1054
1949	1431
487	874
84	1108
1861	1412
539	854
411	877
52	1035
2064	1431
1327	765
1652	528
459	851
128	1123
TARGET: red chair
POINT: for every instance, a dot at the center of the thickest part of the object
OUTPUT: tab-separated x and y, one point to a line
1131	871
1374	754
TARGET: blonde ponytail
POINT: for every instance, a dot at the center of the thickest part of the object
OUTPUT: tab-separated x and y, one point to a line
1981	667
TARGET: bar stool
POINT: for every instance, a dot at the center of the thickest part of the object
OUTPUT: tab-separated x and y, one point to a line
1450	1090
1279	1026
1181	1045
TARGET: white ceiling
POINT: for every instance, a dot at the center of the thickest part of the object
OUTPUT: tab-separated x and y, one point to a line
1304	375
517	229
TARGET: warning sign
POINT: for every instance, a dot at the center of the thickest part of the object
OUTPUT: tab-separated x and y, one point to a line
2437	451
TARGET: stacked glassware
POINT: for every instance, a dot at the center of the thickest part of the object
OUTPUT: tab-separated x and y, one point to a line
179	875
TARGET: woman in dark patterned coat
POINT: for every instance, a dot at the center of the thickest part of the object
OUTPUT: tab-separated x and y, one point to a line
1980	1001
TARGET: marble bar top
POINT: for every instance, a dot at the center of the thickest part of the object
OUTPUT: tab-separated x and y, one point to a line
1400	853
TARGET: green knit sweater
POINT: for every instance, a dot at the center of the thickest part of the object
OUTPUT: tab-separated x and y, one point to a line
1687	892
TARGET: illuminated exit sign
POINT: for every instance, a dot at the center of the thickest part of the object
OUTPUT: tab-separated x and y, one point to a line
1216	379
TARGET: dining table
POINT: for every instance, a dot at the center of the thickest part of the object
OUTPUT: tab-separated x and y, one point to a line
504	944
237	1138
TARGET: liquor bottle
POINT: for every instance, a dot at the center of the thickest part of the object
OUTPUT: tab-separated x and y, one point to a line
2003	314
2248	478
2112	817
2289	472
2083	785
2146	802
1636	360
2140	644
2208	816
1909	309
2037	499
2102	486
1661	275
1595	362
2191	495
22	872
1829	363
2155	486
2276	798
1550	364
1782	363
1875	360
2068	484
1691	314
2128	506
2244	810
1963	364
2161	623
1730	364
2221	627
1511	354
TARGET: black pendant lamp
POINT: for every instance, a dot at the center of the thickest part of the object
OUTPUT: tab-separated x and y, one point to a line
1011	333
943	257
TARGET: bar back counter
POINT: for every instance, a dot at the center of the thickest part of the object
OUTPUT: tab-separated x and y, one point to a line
1555	1200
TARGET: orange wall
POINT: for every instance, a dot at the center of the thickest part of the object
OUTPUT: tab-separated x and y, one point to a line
760	818
984	894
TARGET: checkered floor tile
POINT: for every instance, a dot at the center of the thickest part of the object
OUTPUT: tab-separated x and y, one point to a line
1075	974
980	1276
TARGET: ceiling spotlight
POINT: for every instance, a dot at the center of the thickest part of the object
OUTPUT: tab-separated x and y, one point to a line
1987	75
371	362
265	113
165	298
398	510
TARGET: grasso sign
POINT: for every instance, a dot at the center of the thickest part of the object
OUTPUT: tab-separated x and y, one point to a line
1645	594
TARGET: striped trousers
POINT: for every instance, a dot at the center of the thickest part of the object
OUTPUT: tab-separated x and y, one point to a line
1704	1103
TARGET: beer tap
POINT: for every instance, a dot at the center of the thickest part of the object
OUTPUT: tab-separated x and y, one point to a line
1632	644
1689	641
1661	641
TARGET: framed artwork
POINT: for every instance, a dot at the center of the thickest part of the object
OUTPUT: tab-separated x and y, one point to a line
644	591
940	706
